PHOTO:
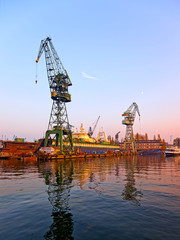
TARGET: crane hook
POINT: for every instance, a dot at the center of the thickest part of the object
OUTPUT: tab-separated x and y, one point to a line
36	72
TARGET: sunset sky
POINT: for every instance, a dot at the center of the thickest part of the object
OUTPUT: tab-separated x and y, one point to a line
115	52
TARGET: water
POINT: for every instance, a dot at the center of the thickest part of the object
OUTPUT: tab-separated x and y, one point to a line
107	198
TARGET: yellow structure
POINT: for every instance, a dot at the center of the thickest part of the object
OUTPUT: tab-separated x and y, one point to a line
82	135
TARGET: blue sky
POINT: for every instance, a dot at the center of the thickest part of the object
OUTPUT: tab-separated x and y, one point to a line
115	52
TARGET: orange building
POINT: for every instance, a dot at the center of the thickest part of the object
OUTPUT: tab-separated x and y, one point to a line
152	145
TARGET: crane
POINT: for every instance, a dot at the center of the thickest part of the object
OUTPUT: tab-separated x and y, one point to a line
58	128
129	117
117	137
91	131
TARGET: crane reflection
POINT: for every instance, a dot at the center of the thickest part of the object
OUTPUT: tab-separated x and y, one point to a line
59	179
130	191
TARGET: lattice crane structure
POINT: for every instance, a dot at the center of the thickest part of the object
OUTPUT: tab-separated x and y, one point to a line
59	129
129	117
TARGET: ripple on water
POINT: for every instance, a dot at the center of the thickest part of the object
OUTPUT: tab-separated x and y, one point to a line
118	198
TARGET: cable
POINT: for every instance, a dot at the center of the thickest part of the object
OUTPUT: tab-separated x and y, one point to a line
36	73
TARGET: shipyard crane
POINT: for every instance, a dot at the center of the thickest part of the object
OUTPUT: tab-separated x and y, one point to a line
91	131
117	137
129	117
59	128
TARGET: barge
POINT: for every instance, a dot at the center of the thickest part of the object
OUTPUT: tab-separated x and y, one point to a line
17	149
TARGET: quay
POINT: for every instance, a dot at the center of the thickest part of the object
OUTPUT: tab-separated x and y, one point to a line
84	155
32	151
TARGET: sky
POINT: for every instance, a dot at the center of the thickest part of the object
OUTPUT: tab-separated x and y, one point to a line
115	52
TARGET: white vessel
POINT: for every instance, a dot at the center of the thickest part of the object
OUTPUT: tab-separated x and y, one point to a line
172	151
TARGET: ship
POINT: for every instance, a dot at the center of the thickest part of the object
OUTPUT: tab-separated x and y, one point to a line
83	143
18	148
172	151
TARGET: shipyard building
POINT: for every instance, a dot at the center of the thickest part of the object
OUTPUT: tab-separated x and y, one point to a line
145	145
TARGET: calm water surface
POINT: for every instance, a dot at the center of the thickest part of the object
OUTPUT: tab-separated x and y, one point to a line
107	198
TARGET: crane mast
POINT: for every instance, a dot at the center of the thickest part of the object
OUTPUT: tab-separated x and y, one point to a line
129	117
59	82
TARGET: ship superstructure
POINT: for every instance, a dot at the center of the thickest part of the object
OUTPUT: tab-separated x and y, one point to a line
82	135
85	144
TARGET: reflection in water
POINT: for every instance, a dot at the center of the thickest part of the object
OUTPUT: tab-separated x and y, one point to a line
103	194
130	191
59	184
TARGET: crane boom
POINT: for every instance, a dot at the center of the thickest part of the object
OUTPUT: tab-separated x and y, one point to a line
90	133
96	124
130	114
57	75
132	111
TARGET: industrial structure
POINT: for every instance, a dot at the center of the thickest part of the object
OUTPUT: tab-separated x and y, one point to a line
101	137
129	117
91	131
59	129
117	137
145	146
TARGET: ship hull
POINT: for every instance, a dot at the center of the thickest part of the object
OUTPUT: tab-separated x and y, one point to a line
172	151
95	148
171	154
